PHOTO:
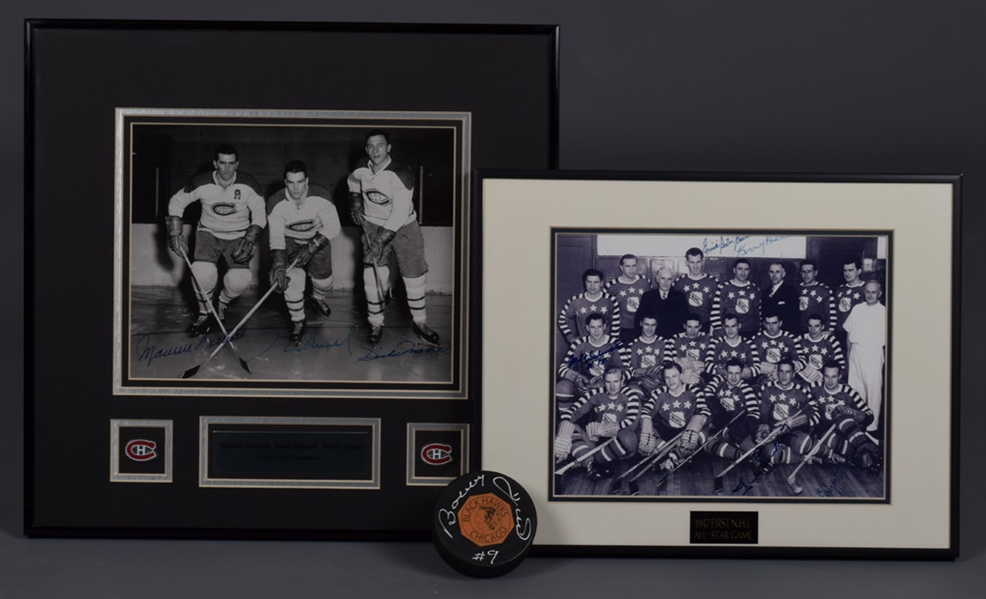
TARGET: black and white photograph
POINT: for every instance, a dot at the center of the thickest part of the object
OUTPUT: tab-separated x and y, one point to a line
732	364
291	253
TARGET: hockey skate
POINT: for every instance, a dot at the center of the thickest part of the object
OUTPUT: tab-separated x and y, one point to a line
376	332
322	307
426	334
298	329
201	326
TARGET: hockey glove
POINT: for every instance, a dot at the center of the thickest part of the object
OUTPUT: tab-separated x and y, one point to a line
646	445
314	246
592	431
795	421
176	238
279	270
374	252
356	208
607	429
244	249
762	432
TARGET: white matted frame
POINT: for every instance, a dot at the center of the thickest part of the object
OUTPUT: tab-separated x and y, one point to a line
516	213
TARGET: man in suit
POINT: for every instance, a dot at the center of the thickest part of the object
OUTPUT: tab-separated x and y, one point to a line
664	303
781	298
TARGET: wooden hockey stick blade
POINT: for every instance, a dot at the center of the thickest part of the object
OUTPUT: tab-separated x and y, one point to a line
192	371
212	311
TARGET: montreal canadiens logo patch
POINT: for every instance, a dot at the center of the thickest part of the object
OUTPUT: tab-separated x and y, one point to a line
377	198
141	450
436	454
224	209
302	226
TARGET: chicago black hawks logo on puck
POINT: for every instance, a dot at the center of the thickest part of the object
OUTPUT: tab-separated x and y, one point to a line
484	524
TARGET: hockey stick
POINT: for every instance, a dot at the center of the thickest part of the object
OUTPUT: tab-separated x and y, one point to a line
770	437
212	310
660	454
791	480
577	461
693	454
193	370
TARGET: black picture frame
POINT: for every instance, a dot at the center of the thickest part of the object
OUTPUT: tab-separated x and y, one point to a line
919	215
82	78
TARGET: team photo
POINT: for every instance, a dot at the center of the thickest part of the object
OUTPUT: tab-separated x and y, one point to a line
720	364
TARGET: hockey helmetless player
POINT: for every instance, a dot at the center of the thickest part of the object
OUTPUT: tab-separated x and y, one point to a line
815	298
834	402
688	349
381	190
740	297
612	421
231	220
646	356
787	405
670	410
774	345
586	361
818	346
781	298
731	345
627	289
594	300
725	398
302	220
698	287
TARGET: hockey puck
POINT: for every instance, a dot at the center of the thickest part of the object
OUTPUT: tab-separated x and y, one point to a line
484	524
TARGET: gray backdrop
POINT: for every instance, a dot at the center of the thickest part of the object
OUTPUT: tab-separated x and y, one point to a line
885	87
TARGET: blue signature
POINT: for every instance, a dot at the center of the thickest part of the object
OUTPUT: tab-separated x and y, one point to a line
146	351
402	349
591	356
742	245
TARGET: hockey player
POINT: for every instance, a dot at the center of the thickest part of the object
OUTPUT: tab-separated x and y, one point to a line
731	345
847	296
688	349
698	287
815	297
787	405
646	356
727	397
586	361
230	223
302	221
593	301
818	346
612	420
833	402
774	345
380	200
740	297
670	410
627	289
